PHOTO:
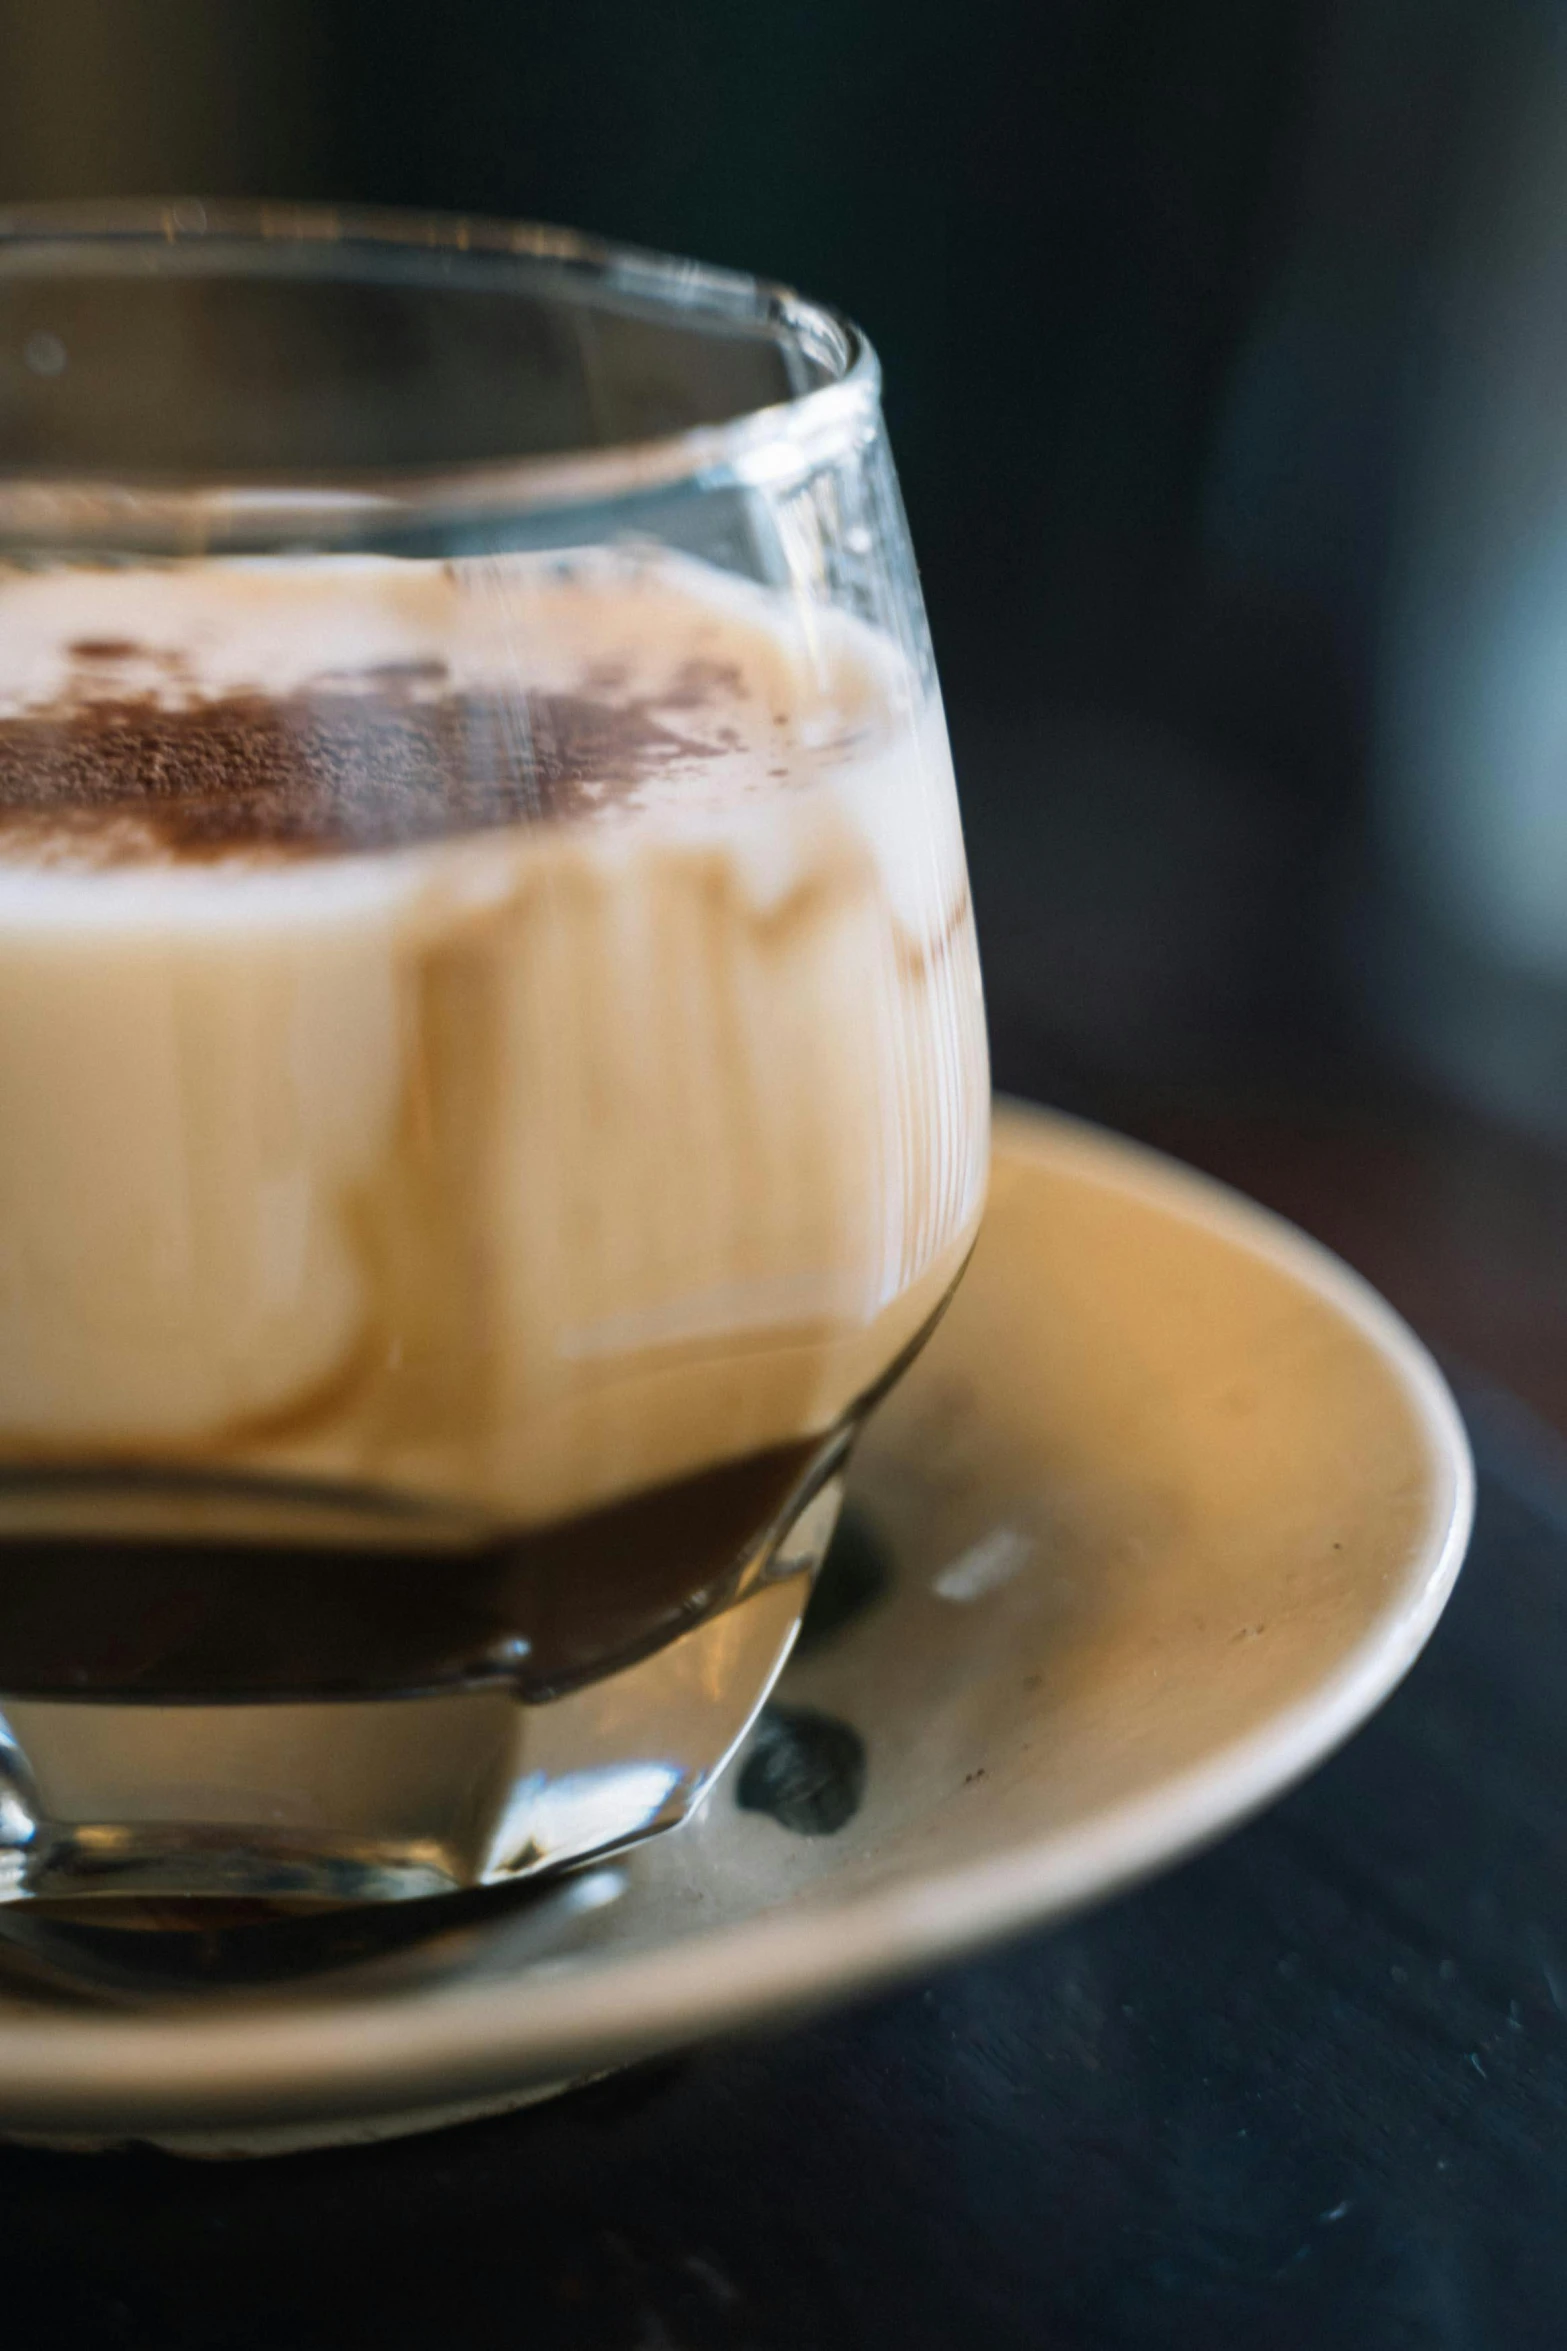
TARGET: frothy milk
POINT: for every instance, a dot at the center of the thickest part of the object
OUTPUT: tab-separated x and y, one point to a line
505	1033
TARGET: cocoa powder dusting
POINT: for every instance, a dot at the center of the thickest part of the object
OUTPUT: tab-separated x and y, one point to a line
367	764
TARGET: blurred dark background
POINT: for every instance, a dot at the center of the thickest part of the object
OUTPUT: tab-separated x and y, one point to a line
1220	347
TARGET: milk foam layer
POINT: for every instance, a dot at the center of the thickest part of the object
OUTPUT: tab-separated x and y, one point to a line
522	1169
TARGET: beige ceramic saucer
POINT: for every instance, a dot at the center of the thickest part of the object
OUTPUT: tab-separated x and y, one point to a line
1168	1505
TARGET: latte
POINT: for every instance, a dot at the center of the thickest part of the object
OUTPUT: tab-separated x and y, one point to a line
500	1037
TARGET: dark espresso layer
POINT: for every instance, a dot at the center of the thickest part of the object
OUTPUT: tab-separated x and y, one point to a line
112	1619
390	758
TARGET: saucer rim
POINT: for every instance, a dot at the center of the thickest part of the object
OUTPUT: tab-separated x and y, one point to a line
370	2056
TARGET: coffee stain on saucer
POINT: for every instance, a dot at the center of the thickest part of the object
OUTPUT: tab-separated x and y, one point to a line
805	1770
856	1574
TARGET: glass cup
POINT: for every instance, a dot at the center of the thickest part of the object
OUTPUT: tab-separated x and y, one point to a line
492	1069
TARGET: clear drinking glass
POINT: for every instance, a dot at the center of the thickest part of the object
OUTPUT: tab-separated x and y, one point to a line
492	1071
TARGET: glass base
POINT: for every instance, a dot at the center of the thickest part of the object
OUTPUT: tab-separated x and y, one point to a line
385	1798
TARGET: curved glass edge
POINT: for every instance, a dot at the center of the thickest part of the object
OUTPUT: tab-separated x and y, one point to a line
768	448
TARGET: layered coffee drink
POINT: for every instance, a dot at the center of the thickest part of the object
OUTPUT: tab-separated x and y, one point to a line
492	1081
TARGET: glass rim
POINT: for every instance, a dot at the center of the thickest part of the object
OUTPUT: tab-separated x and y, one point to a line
774	444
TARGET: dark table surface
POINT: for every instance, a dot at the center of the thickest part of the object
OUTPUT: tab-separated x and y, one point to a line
1309	2090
